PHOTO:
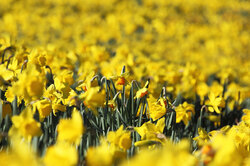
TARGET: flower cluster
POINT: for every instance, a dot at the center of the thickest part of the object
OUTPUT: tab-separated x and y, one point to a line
124	82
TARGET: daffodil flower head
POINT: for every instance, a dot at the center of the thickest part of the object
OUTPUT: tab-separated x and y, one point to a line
214	102
142	92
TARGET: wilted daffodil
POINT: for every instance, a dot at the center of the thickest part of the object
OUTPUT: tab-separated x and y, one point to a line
150	132
25	125
120	138
61	154
142	92
214	102
71	130
6	108
184	112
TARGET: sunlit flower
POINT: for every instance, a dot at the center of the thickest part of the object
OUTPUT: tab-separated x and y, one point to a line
25	125
156	108
120	138
61	153
142	92
202	138
71	130
151	132
214	102
184	112
44	108
94	98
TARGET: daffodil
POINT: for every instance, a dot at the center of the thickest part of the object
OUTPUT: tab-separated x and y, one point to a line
246	117
30	84
214	102
102	154
62	153
93	98
202	138
151	132
202	90
44	108
142	92
19	153
71	130
121	138
25	125
121	79
156	108
184	112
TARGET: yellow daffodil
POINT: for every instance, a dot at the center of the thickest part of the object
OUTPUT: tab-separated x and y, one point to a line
44	108
184	112
71	130
142	92
25	125
156	108
93	98
202	138
120	138
19	153
101	155
214	102
151	132
62	153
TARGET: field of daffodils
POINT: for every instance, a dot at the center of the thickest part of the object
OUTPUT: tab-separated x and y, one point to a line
124	82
